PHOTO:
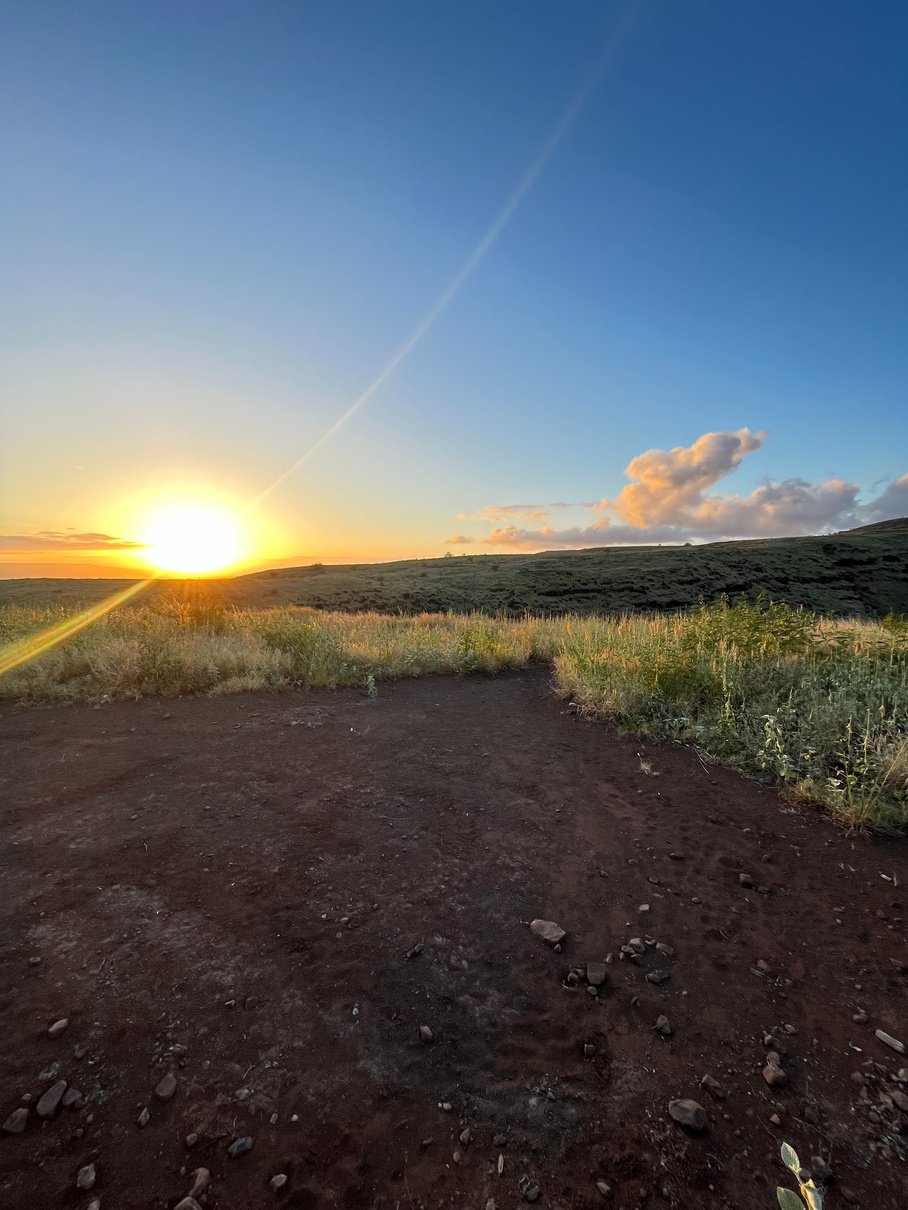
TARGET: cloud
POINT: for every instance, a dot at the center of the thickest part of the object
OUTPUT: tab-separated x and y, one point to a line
51	539
668	500
458	540
526	512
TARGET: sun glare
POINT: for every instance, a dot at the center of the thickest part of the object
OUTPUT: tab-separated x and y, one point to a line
193	539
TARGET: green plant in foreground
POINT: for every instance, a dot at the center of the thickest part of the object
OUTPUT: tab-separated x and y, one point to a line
789	1200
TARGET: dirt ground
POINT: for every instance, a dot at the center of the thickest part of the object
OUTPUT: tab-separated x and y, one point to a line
268	896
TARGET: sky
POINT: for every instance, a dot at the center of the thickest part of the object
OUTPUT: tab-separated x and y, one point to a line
386	279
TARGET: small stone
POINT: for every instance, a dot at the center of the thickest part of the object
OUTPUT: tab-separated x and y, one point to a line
899	1099
250	1003
676	856
58	1027
593	991
595	973
713	1087
35	961
426	1034
657	976
604	1188
637	945
902	1075
689	1114
775	1119
532	1194
447	1106
663	1027
644	907
821	1170
191	1139
279	1181
72	1099
548	930
589	1050
465	1136
667	951
857	1077
888	1040
746	880
201	1179
774	1075
143	1118
239	1146
50	1101
188	1203
860	1017
166	1087
272	1121
15	1123
86	1177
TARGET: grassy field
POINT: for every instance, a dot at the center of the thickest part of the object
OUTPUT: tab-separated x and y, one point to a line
861	573
818	705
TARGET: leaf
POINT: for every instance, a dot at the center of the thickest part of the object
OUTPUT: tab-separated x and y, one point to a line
788	1200
790	1159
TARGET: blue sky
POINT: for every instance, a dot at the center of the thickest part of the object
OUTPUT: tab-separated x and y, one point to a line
221	220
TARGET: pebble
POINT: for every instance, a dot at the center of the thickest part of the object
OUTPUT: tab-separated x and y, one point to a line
15	1123
532	1194
663	1027
191	1139
900	1099
775	1119
860	1017
272	1121
713	1087
239	1146
589	1050
72	1099
657	976
548	930
888	1040
644	907
689	1114
50	1101
667	951
279	1181
143	1118
58	1027
772	1072
86	1177
746	880
593	991
201	1179
595	973
465	1136
426	1034
166	1087
604	1188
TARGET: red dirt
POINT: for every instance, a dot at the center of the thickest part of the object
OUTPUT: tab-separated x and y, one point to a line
168	861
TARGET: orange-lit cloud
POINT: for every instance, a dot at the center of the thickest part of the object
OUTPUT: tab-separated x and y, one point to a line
668	500
54	540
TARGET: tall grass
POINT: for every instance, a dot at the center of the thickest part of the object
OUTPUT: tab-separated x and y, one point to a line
820	706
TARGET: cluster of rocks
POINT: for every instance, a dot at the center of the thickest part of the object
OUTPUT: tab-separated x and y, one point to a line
882	1102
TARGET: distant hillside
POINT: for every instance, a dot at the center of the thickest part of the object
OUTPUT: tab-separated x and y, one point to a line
862	571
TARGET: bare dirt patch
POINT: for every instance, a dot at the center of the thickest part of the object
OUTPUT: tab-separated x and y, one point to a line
268	896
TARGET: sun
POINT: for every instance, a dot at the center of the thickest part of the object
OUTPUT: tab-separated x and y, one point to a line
194	539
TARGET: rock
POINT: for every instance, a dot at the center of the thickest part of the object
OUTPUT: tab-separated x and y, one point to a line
143	1118
58	1027
72	1099
689	1114
532	1194
595	973
279	1181
821	1170
775	1119
657	976
240	1146
589	1050
188	1203
15	1123
201	1179
191	1139
50	1102
86	1177
663	1027
902	1075
250	1003
676	856
166	1087
860	1017
593	991
898	1098
548	930
604	1188
746	880
888	1040
666	951
272	1121
774	1075
426	1034
644	907
637	945
94	1204
713	1087
465	1136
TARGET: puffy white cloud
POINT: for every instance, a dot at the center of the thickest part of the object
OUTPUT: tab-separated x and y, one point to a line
668	500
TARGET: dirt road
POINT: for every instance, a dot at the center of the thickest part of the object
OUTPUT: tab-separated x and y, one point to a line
268	896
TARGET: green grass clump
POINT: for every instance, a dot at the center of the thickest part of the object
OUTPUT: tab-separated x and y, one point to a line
820	706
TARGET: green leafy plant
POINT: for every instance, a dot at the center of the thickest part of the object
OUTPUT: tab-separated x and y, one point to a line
811	1195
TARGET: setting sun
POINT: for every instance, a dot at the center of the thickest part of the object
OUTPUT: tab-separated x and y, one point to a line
192	539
